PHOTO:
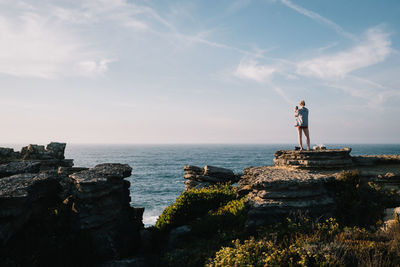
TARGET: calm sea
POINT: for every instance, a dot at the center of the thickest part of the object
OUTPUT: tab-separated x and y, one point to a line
157	177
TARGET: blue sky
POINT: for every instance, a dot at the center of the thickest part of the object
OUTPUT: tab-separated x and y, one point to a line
118	71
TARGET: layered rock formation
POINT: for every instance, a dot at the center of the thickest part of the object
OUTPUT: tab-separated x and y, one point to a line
100	200
32	159
297	182
46	205
274	193
197	177
314	159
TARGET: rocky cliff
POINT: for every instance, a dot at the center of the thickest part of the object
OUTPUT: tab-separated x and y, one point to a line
299	180
72	214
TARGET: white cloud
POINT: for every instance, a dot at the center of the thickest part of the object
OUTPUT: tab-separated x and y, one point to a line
374	49
35	44
252	71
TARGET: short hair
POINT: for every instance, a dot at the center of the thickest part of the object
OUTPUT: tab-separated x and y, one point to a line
302	103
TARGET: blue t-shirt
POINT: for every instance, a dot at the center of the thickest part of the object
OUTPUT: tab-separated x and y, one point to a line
302	117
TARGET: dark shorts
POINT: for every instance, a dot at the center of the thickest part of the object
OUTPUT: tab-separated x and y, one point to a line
302	127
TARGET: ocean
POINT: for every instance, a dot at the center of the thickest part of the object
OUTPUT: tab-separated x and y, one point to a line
157	176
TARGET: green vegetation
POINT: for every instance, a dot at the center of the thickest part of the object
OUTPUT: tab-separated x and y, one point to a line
194	204
358	203
216	216
313	244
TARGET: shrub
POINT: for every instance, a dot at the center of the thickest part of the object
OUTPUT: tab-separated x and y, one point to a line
267	253
248	253
358	203
312	244
228	219
195	203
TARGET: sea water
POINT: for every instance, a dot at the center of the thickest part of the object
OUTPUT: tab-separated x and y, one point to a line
157	176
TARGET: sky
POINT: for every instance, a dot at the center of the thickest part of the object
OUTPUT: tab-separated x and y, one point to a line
201	71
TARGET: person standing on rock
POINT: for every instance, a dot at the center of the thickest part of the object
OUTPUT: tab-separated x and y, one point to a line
301	115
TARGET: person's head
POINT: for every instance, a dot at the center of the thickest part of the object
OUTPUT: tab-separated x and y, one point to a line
302	103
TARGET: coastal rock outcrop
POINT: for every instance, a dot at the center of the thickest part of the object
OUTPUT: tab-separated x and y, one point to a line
298	182
49	207
32	159
197	177
100	199
314	159
275	193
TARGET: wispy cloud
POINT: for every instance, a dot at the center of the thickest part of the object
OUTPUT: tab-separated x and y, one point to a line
39	44
333	70
249	69
317	17
374	49
282	93
57	39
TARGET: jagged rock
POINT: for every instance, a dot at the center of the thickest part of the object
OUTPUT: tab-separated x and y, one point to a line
17	167
90	207
34	152
274	193
56	150
50	158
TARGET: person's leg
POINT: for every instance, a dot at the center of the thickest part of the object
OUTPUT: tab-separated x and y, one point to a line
300	138
307	134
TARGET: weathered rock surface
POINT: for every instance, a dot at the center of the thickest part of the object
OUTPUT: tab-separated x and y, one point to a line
48	206
274	193
16	167
197	177
21	197
33	158
100	198
312	159
297	182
